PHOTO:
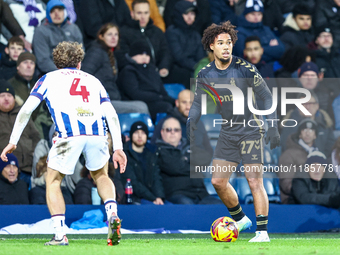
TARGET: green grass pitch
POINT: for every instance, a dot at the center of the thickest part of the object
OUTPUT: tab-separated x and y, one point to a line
187	244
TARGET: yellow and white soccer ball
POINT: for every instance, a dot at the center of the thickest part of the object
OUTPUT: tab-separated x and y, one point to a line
224	229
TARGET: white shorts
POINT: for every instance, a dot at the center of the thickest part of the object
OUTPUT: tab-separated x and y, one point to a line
65	153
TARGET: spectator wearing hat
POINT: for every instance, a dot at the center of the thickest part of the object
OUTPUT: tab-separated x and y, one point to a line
12	190
141	27
317	184
8	59
203	19
9	110
298	146
139	80
142	167
309	78
327	14
325	137
250	23
222	10
53	30
297	28
23	82
327	57
184	43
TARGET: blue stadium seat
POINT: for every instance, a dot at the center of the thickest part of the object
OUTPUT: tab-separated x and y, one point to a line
241	187
159	116
336	109
213	132
336	133
127	119
173	89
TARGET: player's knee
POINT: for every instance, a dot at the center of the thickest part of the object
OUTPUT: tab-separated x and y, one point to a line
255	183
219	183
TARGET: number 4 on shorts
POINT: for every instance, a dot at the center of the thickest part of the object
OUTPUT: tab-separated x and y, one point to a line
83	92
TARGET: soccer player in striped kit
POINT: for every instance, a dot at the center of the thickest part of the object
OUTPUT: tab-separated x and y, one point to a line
79	105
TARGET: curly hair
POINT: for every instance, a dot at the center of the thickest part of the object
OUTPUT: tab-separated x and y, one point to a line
214	30
68	54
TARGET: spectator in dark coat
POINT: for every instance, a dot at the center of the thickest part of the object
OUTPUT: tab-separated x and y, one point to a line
327	12
253	53
309	78
328	59
250	23
139	80
202	148
174	162
142	28
184	43
100	62
8	59
94	14
30	137
297	28
272	15
319	186
325	137
12	189
298	146
142	167
287	6
221	11
23	82
203	14
327	56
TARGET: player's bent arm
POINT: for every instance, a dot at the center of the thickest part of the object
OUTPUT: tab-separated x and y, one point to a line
23	117
113	123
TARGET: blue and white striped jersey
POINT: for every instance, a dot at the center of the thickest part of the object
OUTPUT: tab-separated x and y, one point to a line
73	98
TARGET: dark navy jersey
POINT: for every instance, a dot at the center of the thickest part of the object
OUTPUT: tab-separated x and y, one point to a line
240	74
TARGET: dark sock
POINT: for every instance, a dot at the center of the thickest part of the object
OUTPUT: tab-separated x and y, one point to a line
236	212
261	223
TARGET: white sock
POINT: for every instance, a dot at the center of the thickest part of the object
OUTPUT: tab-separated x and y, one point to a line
110	207
58	225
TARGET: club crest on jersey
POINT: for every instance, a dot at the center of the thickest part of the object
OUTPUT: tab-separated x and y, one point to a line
84	112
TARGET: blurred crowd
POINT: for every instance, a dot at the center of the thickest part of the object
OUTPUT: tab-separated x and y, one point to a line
134	47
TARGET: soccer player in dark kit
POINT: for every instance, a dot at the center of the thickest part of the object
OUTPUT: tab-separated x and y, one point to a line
241	135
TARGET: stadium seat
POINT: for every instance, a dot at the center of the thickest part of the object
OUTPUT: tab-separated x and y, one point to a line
242	188
213	132
173	89
127	119
336	133
159	116
336	109
210	188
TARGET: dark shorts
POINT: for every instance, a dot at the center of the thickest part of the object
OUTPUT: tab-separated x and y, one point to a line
247	148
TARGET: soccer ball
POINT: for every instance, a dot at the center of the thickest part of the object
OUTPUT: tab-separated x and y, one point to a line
224	229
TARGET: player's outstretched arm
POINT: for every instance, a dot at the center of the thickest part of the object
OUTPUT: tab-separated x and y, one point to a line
8	149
